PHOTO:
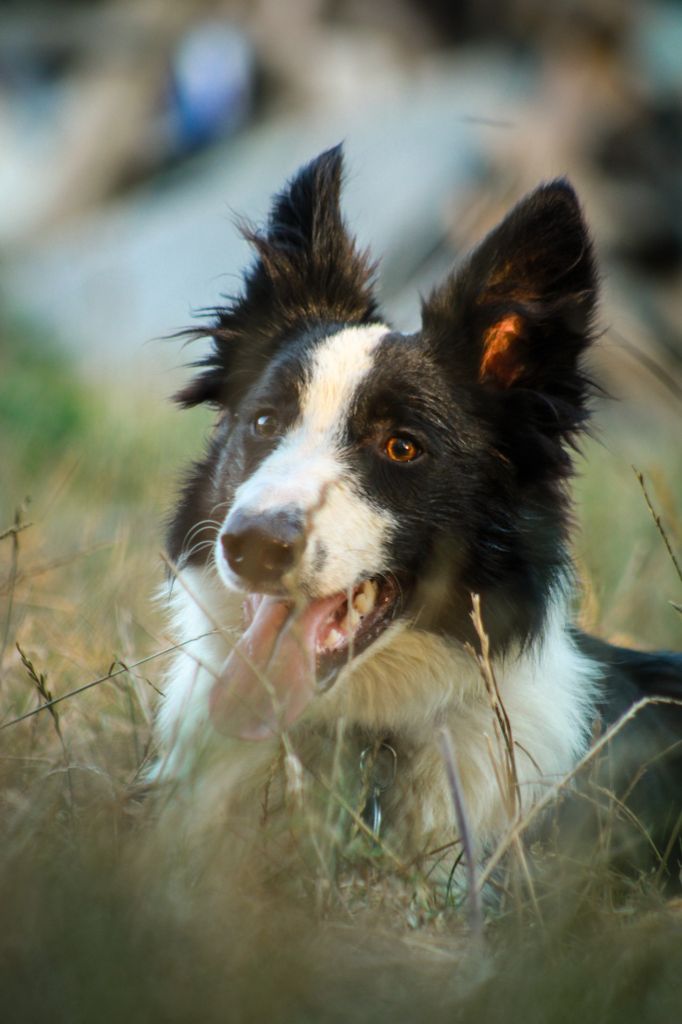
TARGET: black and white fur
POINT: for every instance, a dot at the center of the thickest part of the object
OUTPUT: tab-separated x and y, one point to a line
311	385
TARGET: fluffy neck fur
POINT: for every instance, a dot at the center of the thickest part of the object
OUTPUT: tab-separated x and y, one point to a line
414	684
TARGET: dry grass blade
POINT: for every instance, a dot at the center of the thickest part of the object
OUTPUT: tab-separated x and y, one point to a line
657	521
13	532
56	563
49	704
475	912
506	773
39	680
553	792
511	791
653	366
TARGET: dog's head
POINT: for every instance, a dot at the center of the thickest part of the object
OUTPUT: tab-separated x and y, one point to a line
363	480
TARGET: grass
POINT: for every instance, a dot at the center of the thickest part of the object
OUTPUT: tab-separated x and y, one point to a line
103	921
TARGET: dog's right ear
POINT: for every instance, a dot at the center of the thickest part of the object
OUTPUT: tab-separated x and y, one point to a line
307	270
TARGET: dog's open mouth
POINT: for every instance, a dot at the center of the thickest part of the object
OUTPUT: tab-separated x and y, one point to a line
288	654
351	624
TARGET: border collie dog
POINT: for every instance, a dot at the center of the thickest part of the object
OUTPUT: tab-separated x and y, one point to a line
359	488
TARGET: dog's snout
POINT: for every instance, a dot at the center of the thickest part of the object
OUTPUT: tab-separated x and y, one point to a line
262	548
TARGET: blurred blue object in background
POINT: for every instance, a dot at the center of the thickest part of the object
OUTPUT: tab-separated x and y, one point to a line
212	84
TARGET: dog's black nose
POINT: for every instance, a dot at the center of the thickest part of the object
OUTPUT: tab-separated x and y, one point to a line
261	548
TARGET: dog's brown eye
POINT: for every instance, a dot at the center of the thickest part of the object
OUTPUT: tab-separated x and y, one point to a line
266	424
402	449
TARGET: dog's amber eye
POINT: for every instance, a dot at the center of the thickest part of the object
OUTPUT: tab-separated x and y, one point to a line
266	424
402	449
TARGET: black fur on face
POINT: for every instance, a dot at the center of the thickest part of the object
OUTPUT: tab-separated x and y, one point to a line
491	389
509	328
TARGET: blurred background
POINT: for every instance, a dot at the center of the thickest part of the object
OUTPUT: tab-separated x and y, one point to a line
131	134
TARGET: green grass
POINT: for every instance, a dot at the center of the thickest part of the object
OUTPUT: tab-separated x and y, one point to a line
104	921
628	574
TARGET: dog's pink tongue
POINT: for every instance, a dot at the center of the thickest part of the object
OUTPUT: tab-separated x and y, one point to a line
269	678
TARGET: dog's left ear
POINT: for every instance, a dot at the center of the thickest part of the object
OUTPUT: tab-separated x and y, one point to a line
519	313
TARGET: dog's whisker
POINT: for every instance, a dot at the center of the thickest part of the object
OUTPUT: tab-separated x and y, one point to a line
200	527
196	548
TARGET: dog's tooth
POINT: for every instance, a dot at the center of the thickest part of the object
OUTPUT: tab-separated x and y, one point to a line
334	638
365	599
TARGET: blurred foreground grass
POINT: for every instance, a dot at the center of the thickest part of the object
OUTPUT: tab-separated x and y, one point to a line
101	920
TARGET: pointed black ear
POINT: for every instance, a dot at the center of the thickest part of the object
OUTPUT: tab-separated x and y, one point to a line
519	313
308	270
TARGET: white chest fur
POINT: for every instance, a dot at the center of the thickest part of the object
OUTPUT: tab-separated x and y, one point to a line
408	688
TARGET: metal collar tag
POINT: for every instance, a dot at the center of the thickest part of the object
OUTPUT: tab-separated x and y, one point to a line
378	766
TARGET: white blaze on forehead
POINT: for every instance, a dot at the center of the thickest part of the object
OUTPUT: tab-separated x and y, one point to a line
306	470
338	366
306	461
